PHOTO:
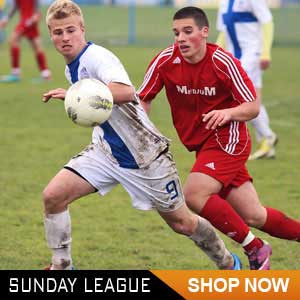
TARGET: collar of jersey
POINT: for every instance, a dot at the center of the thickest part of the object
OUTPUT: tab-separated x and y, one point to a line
80	54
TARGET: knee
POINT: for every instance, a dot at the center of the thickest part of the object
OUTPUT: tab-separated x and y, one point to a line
190	197
53	200
195	201
255	219
13	42
37	49
184	226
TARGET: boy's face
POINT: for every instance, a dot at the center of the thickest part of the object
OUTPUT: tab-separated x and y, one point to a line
190	39
67	36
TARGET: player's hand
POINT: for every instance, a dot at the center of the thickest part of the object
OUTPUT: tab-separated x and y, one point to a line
216	118
3	23
35	18
265	64
28	22
56	94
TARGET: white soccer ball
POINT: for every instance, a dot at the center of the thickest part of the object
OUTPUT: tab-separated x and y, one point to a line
88	102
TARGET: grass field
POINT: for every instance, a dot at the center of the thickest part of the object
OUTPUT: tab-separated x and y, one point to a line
37	139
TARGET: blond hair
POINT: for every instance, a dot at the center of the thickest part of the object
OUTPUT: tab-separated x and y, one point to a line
61	9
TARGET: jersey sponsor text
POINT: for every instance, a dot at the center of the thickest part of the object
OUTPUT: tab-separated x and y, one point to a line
207	91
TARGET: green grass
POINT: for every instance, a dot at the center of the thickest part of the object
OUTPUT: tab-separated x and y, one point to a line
37	139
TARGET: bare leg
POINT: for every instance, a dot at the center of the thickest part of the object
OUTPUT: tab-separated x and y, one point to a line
64	188
199	230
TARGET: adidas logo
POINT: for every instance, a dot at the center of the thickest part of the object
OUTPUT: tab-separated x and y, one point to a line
84	73
211	165
177	60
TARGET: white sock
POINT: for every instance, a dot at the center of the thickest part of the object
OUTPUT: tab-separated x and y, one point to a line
58	235
206	238
248	239
46	73
16	71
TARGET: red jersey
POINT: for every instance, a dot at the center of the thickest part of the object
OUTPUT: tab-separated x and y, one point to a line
26	8
217	82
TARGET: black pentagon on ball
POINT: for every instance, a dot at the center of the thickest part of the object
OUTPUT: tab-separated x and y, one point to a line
72	114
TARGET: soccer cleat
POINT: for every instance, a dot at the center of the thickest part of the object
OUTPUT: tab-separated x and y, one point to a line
60	264
237	263
266	148
11	78
50	268
259	259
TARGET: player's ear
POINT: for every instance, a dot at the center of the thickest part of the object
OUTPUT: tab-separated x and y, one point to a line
205	31
82	27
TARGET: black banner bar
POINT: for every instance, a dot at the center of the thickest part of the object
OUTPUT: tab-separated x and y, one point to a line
112	284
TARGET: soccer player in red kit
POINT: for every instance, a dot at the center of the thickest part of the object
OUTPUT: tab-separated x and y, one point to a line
211	98
27	27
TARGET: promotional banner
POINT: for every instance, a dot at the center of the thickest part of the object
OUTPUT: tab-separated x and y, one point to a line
154	284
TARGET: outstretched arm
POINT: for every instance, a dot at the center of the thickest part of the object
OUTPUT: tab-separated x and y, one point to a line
122	93
268	36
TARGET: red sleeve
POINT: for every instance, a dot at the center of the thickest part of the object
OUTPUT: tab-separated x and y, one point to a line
153	81
230	71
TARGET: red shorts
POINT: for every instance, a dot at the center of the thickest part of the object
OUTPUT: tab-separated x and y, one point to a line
228	169
29	32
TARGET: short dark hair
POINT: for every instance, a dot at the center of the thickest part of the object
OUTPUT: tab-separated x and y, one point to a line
193	12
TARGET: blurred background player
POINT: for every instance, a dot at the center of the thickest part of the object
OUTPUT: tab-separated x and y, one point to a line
2	33
27	27
246	30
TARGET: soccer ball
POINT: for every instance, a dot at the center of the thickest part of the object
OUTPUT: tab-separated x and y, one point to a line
88	102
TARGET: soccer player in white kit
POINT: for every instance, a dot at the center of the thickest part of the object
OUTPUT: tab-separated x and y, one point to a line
246	30
127	149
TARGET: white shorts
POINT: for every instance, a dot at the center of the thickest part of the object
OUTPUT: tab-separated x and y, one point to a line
251	64
155	186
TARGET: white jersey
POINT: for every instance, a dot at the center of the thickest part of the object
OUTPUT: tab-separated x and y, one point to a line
241	21
128	138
